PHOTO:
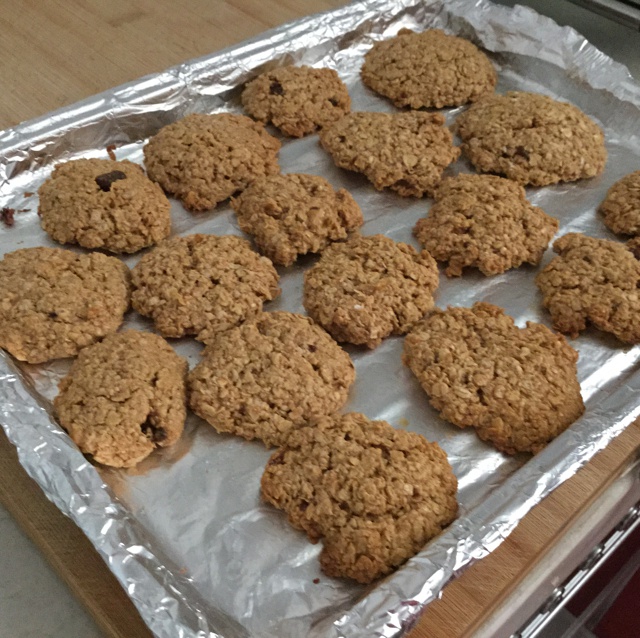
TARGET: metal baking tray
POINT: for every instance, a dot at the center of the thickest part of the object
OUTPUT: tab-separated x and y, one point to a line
185	532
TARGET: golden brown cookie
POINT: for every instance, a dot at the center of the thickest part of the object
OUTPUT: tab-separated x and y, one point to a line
429	69
406	152
486	222
531	139
202	284
621	206
369	288
53	302
295	214
204	159
634	246
269	376
123	398
297	99
516	386
593	281
373	494
103	204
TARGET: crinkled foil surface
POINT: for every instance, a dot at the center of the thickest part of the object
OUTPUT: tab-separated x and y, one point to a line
185	532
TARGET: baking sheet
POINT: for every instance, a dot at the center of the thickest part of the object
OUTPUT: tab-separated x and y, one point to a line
185	532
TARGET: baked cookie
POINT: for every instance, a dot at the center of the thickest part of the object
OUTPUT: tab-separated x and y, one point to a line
204	159
406	152
373	494
369	288
202	284
516	386
621	206
103	204
595	281
124	397
53	302
486	222
268	376
297	99
634	246
295	214
429	69
531	139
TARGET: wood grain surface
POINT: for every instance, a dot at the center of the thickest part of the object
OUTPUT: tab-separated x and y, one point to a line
60	51
67	549
57	52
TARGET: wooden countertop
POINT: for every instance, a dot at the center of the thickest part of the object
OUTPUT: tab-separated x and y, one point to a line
58	52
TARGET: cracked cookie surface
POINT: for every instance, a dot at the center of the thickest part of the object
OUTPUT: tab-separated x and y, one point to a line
204	159
295	214
373	494
621	206
123	398
297	99
368	288
269	376
405	152
517	387
486	222
202	284
428	69
593	281
103	204
531	139
53	302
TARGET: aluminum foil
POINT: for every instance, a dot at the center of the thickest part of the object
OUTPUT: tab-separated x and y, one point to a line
185	532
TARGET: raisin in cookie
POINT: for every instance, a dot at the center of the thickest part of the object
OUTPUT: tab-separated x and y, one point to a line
486	222
516	386
368	288
202	284
103	204
297	99
593	281
269	376
124	397
373	494
406	152
429	69
621	206
53	302
531	139
295	214
204	159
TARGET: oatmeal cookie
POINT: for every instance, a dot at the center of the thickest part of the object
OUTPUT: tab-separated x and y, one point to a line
406	152
596	281
373	494
202	284
297	99
429	69
485	222
295	214
516	386
369	288
621	206
124	397
103	204
531	139
269	376
54	302
204	159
